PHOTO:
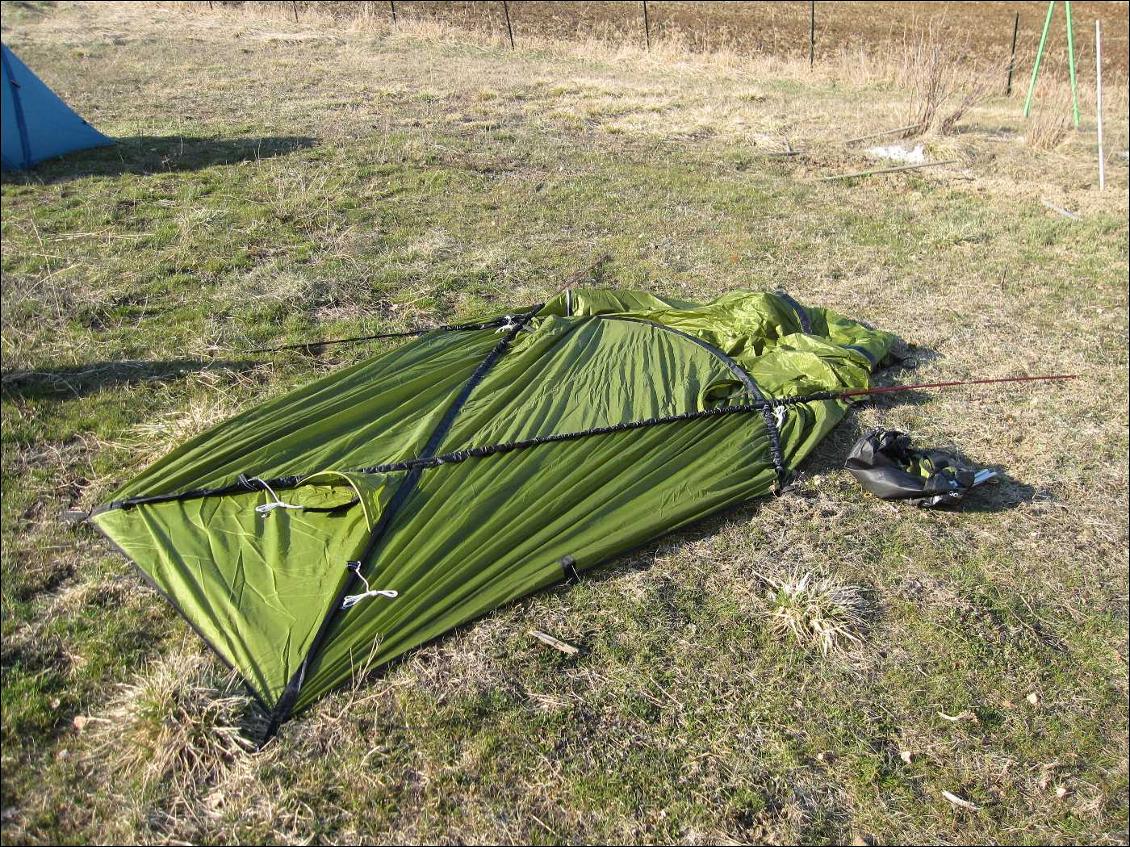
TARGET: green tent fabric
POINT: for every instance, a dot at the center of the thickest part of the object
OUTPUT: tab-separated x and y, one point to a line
473	466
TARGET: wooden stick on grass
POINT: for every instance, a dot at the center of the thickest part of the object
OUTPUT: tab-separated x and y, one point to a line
567	649
888	170
885	132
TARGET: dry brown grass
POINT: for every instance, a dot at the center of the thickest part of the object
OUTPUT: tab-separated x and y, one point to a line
180	725
816	610
944	84
1051	119
935	78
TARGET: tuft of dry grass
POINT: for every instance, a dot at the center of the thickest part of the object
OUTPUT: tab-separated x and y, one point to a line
176	724
1050	120
944	84
816	610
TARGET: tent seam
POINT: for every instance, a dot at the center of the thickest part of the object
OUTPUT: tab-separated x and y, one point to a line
18	106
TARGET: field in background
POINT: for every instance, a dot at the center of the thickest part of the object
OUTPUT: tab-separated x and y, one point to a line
979	31
282	181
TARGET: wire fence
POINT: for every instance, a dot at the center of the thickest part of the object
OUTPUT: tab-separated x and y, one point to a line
999	34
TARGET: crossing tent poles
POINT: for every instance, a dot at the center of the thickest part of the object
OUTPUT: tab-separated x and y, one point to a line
1099	103
1070	61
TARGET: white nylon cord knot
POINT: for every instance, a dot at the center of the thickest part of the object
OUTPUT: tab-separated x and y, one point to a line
779	413
352	600
276	502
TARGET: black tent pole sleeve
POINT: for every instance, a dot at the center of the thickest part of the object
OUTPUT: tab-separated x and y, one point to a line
283	483
376	537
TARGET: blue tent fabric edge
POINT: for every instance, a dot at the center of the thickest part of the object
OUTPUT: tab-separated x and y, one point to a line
37	124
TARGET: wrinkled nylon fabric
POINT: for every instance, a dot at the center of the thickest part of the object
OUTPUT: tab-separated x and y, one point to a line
383	407
254	586
476	534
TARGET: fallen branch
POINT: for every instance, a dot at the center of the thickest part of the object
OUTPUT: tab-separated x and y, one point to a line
958	801
885	132
888	170
567	649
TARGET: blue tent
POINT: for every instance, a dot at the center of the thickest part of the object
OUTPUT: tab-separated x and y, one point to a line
36	124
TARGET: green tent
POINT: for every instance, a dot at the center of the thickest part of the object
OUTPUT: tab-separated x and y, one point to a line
380	506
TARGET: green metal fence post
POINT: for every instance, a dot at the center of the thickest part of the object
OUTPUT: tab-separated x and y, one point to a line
1039	56
1071	63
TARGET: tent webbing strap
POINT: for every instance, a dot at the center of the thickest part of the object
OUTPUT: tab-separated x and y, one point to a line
245	484
555	438
287	700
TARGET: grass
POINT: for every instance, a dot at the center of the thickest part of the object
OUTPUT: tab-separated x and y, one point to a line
276	182
815	610
174	724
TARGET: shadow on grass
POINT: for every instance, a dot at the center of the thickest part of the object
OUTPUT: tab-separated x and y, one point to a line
152	154
80	380
1003	493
